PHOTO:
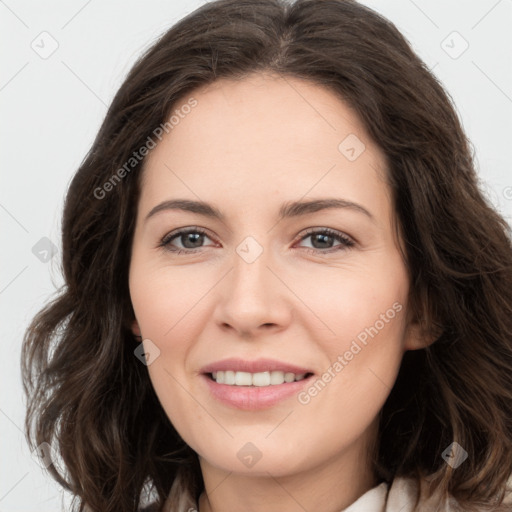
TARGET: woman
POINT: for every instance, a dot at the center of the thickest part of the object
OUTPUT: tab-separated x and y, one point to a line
262	369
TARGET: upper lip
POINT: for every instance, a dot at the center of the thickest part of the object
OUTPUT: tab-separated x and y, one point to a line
256	366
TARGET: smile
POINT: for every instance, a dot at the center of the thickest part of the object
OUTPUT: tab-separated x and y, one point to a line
260	379
254	384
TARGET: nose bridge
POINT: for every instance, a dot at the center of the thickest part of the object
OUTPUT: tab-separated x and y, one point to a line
249	278
251	295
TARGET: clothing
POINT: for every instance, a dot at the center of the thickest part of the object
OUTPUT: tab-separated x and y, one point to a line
400	496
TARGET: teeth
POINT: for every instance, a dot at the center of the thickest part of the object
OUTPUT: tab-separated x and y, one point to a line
243	379
289	377
259	379
276	378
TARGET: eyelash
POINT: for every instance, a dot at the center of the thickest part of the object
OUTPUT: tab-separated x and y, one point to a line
346	242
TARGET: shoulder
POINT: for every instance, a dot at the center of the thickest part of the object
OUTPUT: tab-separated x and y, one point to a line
404	491
402	497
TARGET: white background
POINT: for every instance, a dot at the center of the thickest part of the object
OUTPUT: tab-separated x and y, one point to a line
52	108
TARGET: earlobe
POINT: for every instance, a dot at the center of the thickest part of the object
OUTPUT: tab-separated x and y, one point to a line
417	338
136	329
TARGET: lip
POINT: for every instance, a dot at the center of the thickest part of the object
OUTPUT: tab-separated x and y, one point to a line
259	365
252	398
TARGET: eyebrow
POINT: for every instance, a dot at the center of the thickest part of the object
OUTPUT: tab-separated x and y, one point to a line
288	210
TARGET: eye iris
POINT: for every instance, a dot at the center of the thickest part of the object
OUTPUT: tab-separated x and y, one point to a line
324	240
194	237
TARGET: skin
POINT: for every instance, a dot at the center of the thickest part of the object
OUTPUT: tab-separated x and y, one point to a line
248	147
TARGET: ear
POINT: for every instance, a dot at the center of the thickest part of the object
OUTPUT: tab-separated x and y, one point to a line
136	329
417	337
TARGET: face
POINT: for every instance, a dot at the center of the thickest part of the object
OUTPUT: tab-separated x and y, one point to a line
299	312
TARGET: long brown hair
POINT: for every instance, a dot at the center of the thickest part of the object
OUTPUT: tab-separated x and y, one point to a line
92	399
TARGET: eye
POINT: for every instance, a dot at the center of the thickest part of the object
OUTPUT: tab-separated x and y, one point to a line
322	240
190	239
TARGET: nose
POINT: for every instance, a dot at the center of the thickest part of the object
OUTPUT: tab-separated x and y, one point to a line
253	298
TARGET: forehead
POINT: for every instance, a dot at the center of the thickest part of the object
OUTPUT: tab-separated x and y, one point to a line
266	135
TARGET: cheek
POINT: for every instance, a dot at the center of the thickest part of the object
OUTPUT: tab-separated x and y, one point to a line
167	308
162	299
355	301
361	372
365	313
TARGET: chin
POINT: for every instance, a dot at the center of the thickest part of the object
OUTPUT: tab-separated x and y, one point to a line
258	459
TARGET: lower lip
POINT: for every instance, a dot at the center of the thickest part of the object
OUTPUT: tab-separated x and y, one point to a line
252	398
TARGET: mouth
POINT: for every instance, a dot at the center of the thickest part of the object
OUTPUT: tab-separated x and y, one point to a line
254	385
